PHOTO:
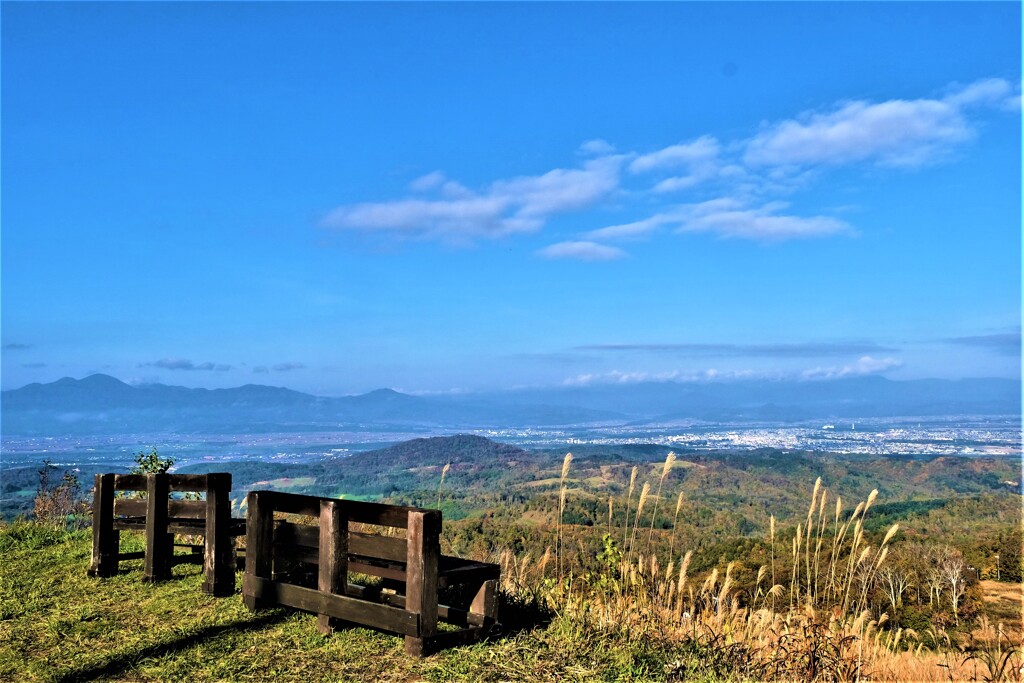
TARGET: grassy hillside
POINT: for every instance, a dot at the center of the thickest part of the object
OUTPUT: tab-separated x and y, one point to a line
617	564
56	624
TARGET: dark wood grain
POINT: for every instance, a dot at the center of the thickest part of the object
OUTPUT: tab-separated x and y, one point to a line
333	558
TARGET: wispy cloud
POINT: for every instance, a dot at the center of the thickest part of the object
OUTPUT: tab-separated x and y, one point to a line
581	251
863	366
516	205
732	188
763	223
730	218
596	148
1007	343
987	92
801	350
15	346
287	367
905	133
185	364
703	150
639	376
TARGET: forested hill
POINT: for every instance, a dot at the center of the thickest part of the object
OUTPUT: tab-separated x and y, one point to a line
461	449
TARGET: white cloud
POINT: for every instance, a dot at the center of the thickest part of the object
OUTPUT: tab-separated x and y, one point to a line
454	218
895	133
782	158
701	151
866	365
986	92
516	205
632	230
561	190
427	182
186	364
581	251
637	376
287	367
596	148
728	218
859	368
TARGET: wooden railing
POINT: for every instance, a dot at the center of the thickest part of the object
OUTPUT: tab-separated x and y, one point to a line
412	566
161	517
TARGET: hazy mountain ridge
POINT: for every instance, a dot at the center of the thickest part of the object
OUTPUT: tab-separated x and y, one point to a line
102	404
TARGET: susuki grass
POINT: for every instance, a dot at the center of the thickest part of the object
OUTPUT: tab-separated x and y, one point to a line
821	623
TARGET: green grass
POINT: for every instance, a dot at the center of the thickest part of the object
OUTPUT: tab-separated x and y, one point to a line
58	624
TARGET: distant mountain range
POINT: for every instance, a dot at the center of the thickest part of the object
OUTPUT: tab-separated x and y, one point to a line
100	404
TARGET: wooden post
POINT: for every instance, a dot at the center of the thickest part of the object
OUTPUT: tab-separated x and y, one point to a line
105	540
158	549
333	565
485	603
219	556
259	545
423	555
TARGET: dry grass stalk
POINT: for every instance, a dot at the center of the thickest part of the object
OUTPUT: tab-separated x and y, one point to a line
561	510
629	496
669	460
644	492
675	524
444	472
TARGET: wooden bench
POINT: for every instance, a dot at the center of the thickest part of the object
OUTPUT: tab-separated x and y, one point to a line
412	568
161	517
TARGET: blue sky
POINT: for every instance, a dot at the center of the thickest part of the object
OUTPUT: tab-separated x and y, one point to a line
444	197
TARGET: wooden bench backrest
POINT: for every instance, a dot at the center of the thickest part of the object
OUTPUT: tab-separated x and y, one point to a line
420	553
302	541
191	483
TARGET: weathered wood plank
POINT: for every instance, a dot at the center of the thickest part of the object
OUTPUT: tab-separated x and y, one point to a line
424	551
366	545
384	547
219	551
192	509
105	539
158	549
485	602
136	555
130	482
292	534
332	575
259	542
339	606
195	483
355	511
469	572
394	572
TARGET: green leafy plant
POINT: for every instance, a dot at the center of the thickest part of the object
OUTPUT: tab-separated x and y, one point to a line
151	463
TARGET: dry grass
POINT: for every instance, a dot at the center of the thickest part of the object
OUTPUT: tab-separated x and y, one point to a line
819	623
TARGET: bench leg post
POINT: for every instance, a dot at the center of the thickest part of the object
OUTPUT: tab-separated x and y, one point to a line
422	560
259	546
105	540
218	557
485	603
333	565
159	543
